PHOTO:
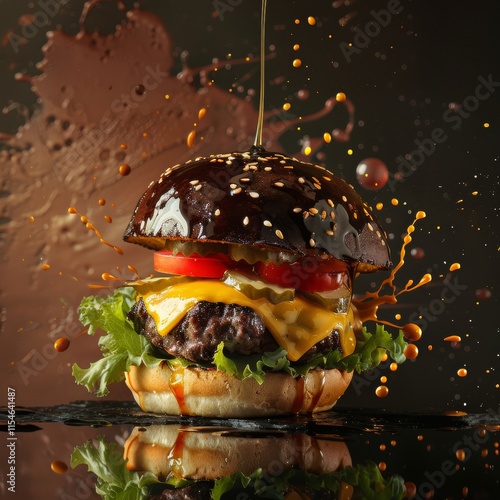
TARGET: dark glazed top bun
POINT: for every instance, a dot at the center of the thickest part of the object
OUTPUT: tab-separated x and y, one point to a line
263	199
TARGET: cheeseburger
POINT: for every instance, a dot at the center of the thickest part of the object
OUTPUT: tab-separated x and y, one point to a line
250	312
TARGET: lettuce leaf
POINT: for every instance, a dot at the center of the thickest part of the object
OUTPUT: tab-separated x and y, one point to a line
113	480
121	347
367	481
367	355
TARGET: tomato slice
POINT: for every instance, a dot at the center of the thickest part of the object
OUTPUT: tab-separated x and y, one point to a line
309	274
206	266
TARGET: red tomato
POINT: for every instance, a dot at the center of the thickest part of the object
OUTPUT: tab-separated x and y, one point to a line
208	266
309	274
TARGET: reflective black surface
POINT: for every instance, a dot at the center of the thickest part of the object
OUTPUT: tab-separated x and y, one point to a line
453	456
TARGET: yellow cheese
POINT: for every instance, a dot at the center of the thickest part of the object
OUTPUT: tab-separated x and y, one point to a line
296	325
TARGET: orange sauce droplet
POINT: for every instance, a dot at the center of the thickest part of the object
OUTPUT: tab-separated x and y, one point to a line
411	489
311	21
453	338
382	466
190	138
393	367
58	466
91	227
340	97
175	456
327	137
412	332
299	394
176	384
455	266
45	267
383	379
379	206
395	202
411	351
462	372
107	218
382	391
202	113
61	344
109	277
460	454
102	202
124	169
297	63
133	269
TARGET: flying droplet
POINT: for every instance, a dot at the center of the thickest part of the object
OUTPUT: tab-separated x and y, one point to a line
372	174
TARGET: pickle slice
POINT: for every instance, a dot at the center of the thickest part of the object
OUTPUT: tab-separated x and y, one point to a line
256	289
337	301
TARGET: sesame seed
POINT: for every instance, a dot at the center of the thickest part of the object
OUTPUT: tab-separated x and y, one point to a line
330	232
323	215
193	183
233	186
327	178
279	184
383	242
253	194
246	220
355	215
213	160
370	227
313	210
268	169
312	242
217	212
378	234
344	198
301	180
305	214
237	191
330	202
297	210
245	179
332	215
279	234
267	223
198	187
317	186
315	179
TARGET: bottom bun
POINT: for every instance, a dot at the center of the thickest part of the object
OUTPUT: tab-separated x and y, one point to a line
209	453
212	393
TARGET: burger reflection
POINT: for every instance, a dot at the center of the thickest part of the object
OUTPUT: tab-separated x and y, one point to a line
170	462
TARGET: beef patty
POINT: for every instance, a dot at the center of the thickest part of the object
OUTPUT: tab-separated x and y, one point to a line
198	334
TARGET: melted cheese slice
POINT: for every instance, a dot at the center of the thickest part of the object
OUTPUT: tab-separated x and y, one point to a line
296	325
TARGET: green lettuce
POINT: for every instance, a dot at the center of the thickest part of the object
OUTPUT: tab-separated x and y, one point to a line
366	356
122	347
115	482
